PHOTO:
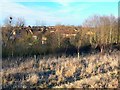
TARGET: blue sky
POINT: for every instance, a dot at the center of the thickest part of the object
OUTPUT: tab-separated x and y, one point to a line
52	12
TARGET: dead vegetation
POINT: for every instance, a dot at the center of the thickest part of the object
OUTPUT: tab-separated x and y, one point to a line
92	71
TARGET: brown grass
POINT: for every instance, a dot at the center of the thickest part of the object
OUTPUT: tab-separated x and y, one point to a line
89	71
33	78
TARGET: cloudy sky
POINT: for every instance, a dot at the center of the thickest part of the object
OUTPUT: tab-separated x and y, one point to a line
52	12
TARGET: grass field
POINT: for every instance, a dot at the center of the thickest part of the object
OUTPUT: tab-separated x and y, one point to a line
91	71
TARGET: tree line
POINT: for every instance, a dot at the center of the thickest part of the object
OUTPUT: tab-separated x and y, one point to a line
18	40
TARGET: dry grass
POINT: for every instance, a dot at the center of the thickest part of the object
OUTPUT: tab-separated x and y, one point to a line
33	78
92	71
94	81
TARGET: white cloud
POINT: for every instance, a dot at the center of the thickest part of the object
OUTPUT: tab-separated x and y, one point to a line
18	10
64	14
30	14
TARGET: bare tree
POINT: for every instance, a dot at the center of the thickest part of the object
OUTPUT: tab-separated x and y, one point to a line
20	22
9	21
118	36
77	41
105	31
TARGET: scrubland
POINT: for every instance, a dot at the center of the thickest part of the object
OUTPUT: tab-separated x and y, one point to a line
90	71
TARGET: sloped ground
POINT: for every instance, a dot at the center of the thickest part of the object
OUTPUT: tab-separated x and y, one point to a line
92	71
